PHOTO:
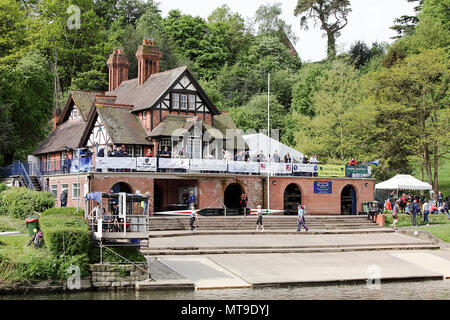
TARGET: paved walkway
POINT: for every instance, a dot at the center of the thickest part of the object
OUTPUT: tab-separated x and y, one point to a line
212	271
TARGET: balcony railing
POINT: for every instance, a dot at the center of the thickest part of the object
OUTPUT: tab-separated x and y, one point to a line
184	165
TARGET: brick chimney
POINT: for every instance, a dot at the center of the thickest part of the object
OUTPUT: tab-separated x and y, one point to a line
56	117
148	56
118	68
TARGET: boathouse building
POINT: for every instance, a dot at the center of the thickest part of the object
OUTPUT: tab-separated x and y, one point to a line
170	111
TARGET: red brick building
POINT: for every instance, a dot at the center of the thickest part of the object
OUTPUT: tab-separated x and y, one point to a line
169	110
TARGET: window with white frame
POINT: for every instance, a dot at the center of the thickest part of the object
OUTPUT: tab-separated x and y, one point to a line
183	102
166	142
64	186
192	102
54	190
175	101
75	114
75	190
137	152
144	115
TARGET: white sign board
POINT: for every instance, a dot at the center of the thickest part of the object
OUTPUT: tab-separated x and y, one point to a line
304	167
115	163
208	165
277	168
146	164
243	166
165	163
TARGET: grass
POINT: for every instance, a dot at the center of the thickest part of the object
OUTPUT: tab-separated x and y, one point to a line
444	176
441	231
14	248
12	224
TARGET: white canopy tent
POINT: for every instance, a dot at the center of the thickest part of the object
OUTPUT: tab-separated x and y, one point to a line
257	142
403	182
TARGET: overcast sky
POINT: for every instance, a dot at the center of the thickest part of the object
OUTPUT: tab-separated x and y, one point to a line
369	21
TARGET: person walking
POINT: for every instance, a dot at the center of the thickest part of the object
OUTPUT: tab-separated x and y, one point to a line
394	215
426	211
259	222
301	218
439	199
415	211
192	217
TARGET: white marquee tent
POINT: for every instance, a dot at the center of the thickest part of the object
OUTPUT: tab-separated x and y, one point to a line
403	182
257	142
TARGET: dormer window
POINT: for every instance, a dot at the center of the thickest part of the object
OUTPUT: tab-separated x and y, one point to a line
144	115
75	114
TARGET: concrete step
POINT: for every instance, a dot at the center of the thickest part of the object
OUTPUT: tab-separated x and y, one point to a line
183	233
290	250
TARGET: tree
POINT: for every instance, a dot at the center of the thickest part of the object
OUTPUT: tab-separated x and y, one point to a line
26	97
405	25
360	53
332	15
253	115
269	22
415	92
335	132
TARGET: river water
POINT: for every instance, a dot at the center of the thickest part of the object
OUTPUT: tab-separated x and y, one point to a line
420	290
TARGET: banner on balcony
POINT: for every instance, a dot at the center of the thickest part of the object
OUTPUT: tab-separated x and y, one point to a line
146	164
165	163
358	171
115	163
84	166
331	170
306	168
276	168
243	166
208	165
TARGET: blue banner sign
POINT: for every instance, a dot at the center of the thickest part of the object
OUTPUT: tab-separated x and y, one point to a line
324	187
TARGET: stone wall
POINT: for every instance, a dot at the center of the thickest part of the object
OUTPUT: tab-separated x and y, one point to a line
117	277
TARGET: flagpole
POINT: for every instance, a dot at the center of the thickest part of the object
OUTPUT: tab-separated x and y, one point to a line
268	134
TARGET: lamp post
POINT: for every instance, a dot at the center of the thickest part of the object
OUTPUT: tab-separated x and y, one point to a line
268	134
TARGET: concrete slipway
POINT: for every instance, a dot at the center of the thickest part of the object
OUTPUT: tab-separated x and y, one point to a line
328	259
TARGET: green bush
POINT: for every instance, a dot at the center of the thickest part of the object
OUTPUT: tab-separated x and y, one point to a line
82	261
22	202
3	187
65	211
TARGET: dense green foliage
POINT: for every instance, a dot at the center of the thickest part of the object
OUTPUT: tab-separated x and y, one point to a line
378	101
23	202
65	233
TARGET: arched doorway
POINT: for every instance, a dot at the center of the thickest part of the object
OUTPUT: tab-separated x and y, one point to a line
121	187
292	196
348	201
157	198
232	196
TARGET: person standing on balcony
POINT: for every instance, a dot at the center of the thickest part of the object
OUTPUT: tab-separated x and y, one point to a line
63	198
66	165
276	157
352	162
313	159
287	158
305	159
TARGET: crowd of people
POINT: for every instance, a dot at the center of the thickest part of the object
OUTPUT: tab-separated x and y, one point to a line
417	206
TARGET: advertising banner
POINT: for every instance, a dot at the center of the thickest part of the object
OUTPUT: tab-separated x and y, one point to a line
208	165
331	170
85	165
169	163
276	168
243	166
146	164
115	163
323	187
306	168
358	171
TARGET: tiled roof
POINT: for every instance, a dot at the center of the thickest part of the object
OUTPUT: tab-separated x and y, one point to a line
146	95
84	100
122	126
66	135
